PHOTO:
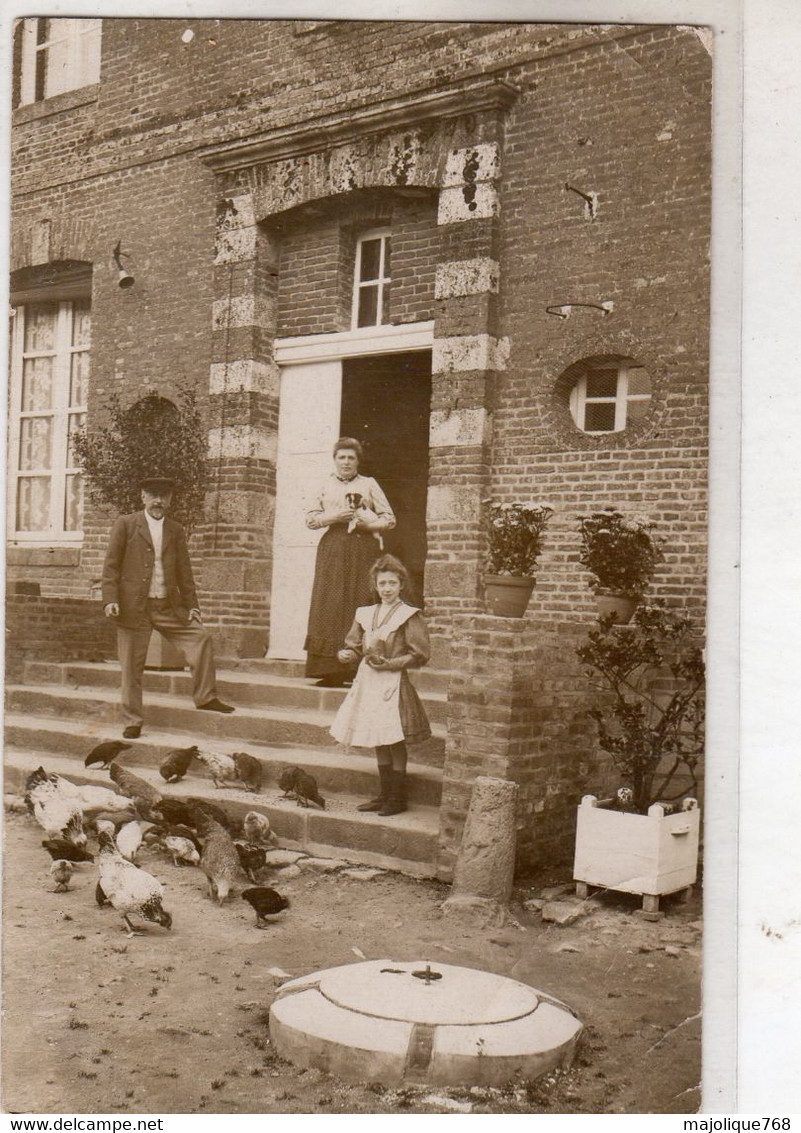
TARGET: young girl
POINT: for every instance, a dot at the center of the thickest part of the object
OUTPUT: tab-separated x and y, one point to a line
382	709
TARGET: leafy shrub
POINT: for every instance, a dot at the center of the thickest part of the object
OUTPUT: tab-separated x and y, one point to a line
152	437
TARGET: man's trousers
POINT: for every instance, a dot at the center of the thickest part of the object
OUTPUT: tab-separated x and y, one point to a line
191	638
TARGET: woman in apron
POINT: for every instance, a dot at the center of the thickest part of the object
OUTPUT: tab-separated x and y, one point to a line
382	710
354	511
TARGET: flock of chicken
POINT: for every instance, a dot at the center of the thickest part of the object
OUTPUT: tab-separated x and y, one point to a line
192	831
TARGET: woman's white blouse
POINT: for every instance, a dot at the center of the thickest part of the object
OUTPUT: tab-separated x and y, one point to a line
333	499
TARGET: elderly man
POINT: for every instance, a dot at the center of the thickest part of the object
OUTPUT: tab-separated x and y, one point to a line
147	585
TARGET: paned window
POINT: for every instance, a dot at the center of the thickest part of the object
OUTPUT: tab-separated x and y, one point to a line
58	55
609	395
49	388
372	280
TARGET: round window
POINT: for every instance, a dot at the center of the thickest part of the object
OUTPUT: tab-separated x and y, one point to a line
607	393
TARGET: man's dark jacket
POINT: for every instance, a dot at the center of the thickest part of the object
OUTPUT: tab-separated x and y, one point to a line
128	569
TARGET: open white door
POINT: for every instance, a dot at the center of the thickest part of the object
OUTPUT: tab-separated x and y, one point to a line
308	426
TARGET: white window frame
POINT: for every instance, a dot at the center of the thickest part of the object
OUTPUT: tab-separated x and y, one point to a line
382	281
81	70
621	400
59	412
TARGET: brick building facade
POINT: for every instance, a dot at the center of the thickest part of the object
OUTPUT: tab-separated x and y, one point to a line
546	192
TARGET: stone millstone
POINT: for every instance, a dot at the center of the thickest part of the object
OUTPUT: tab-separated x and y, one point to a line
377	1021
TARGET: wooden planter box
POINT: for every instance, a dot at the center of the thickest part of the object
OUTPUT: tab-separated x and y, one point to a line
649	854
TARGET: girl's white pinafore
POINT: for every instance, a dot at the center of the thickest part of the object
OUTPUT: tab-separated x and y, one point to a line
369	716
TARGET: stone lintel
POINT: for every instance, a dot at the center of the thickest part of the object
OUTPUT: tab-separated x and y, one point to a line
317	134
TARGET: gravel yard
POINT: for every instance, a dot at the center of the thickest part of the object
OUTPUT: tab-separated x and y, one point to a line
176	1022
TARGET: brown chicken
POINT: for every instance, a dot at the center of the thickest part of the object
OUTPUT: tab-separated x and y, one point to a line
295	781
135	788
176	763
248	769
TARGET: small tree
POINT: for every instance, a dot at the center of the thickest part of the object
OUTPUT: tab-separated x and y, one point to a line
652	725
153	437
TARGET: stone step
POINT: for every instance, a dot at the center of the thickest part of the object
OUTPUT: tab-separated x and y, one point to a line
425	680
266	725
404	842
243	688
336	770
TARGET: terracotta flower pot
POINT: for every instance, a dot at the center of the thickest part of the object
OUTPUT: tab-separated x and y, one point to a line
506	596
621	605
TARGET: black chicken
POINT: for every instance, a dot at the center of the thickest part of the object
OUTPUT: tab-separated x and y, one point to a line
102	755
60	849
295	781
215	812
251	858
175	812
176	763
265	902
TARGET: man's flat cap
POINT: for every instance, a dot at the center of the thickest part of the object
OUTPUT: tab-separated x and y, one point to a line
157	484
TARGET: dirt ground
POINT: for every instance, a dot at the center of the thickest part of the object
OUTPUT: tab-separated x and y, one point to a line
176	1022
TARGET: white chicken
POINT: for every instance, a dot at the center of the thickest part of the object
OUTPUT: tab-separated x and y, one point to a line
129	839
58	813
181	849
222	767
131	890
91	798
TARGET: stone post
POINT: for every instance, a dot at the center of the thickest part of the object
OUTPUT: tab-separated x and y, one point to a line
485	864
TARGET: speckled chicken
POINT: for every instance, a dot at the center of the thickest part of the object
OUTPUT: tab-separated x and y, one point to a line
134	787
219	859
102	755
131	890
256	829
176	763
295	781
248	770
265	902
221	767
59	815
61	872
61	849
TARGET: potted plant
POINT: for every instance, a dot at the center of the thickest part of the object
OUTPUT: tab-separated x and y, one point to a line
650	718
621	554
515	532
152	437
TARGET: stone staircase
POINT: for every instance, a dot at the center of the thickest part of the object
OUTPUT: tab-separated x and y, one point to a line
61	710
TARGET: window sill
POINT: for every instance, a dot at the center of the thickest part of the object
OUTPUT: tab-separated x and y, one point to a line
43	556
67	100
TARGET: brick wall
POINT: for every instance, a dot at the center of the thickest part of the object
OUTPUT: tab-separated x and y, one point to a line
518	708
619	112
50	629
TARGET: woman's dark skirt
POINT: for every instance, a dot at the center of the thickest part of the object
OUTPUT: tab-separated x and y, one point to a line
341	584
